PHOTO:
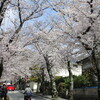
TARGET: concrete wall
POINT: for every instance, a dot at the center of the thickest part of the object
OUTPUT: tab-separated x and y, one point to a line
86	94
33	86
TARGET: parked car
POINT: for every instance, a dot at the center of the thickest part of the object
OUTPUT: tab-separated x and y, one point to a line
10	87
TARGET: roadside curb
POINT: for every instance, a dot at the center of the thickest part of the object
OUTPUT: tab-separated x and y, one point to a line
49	97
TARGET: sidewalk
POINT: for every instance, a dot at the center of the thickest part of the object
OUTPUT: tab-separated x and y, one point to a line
50	97
58	98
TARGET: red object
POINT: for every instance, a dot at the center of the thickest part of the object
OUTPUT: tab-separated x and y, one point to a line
10	87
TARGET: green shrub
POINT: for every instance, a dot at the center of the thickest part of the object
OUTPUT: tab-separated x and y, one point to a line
63	83
62	89
84	80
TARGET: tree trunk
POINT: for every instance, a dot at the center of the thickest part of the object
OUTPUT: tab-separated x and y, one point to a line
42	82
53	85
70	92
1	67
52	80
98	73
3	7
98	86
96	62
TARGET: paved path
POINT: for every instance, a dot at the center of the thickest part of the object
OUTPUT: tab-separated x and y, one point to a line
16	95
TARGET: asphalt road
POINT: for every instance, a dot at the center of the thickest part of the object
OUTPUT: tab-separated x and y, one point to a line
17	95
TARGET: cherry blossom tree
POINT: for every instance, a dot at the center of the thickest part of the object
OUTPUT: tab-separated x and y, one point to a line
10	35
72	32
80	21
49	65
